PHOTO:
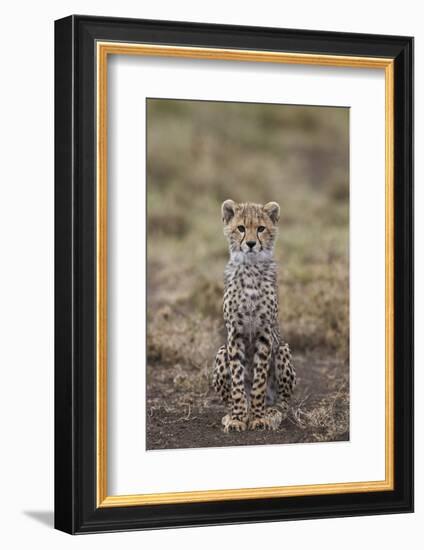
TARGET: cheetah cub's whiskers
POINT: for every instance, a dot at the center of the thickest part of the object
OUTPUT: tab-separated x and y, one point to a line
253	373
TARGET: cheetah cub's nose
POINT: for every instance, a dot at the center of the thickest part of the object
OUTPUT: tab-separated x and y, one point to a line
250	244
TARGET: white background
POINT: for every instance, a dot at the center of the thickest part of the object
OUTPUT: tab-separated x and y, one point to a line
131	80
26	289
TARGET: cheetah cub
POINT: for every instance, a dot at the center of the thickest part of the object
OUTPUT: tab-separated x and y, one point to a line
254	369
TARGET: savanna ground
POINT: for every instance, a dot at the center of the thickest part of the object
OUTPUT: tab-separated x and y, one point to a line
199	154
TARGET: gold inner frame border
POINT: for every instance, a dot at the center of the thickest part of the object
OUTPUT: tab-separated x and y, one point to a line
103	50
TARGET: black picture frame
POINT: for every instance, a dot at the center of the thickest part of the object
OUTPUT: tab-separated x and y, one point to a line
76	508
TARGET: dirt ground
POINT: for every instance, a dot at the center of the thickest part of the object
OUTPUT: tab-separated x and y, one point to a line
198	155
319	411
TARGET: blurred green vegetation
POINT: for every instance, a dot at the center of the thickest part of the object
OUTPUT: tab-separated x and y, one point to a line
201	153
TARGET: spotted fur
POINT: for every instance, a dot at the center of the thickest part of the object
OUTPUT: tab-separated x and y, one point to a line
253	373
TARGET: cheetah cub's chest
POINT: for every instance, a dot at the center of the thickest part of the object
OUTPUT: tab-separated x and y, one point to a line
250	296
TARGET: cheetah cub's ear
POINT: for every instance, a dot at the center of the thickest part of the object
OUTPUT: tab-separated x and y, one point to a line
273	211
228	209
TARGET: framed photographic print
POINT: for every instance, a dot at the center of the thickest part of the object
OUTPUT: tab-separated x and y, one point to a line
234	274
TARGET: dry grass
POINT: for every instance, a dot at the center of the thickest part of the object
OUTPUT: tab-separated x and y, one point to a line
199	154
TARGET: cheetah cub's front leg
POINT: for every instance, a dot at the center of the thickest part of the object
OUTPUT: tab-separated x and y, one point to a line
262	418
237	418
228	382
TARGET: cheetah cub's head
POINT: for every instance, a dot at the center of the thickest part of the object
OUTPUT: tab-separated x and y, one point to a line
251	229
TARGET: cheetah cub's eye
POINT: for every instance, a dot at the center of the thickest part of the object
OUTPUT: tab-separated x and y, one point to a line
241	228
261	228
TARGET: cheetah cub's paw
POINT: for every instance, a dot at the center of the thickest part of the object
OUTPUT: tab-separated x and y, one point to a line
270	421
233	424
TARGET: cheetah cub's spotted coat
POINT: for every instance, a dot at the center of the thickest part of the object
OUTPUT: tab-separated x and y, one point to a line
254	369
